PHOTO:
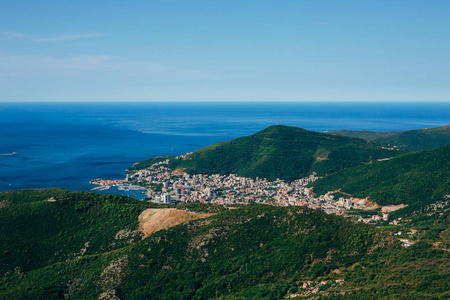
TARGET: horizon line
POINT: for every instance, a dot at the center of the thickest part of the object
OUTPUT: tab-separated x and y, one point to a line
231	101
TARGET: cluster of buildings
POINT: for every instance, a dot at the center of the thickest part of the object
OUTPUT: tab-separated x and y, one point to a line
313	287
233	189
375	219
434	208
163	185
221	189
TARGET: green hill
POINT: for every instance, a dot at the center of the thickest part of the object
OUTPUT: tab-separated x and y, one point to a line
413	140
416	179
279	152
251	252
42	227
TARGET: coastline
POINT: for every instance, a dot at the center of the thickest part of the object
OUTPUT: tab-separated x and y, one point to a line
59	146
121	187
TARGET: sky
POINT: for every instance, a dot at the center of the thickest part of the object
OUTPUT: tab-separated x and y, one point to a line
214	50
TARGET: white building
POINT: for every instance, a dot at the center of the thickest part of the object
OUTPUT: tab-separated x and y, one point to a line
165	198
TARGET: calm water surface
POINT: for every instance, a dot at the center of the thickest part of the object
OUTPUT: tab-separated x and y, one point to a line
68	144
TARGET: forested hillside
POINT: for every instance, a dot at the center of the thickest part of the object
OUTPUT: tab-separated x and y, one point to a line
280	152
248	252
43	227
416	179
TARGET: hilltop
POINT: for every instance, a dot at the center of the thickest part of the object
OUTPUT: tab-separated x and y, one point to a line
283	152
95	251
415	179
413	140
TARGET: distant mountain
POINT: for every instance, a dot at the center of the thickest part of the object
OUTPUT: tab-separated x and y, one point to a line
280	152
417	179
413	140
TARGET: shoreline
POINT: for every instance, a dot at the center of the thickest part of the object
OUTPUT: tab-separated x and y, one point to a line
122	185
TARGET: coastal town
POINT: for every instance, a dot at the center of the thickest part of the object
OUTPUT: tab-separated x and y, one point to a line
165	186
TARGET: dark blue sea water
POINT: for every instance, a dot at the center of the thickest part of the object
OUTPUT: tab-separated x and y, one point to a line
68	144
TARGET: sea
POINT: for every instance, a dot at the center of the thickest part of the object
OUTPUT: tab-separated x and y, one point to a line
44	145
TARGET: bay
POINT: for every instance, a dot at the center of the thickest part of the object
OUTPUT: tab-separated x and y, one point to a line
68	144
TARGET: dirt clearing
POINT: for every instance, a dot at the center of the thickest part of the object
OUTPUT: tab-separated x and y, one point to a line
391	208
155	219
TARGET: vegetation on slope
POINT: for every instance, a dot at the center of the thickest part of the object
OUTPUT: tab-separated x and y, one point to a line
417	179
256	251
251	252
417	272
43	227
413	140
280	152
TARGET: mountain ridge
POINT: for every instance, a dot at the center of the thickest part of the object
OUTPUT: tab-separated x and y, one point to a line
413	140
279	151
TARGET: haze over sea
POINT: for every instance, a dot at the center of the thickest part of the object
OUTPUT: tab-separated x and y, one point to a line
68	144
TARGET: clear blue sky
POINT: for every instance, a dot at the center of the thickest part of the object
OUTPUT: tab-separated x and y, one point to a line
211	50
